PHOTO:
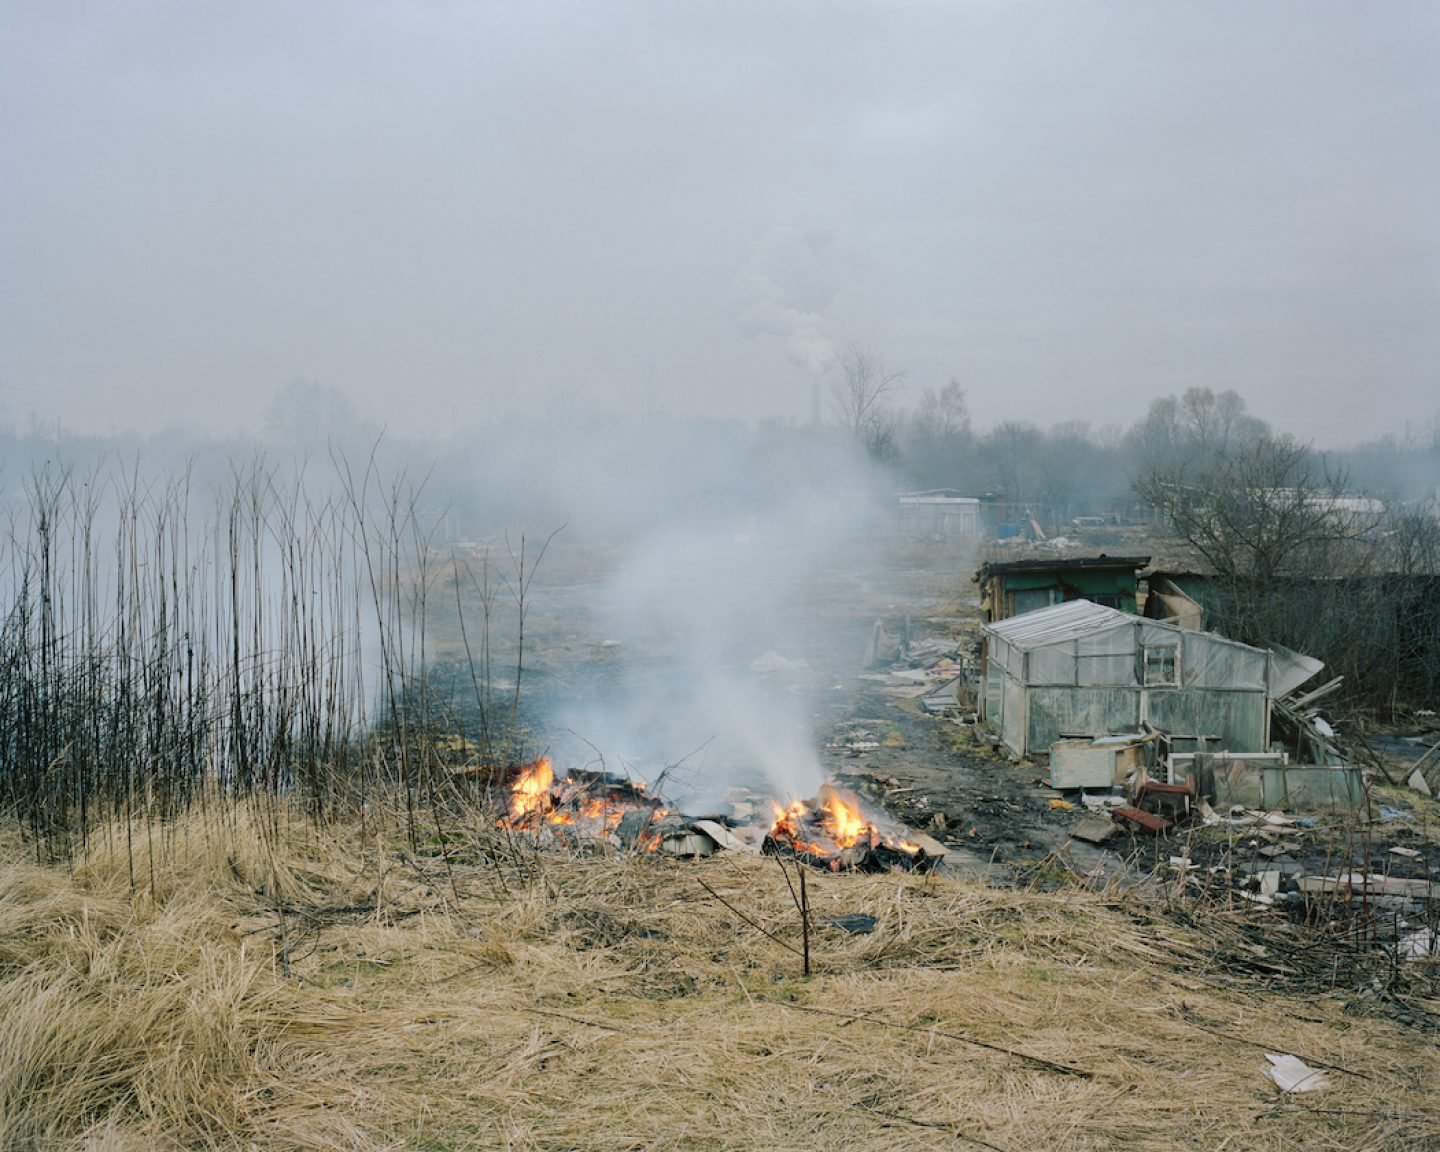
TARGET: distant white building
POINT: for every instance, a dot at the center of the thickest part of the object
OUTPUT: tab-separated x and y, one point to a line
938	515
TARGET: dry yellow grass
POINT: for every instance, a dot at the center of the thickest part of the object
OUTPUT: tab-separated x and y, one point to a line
277	987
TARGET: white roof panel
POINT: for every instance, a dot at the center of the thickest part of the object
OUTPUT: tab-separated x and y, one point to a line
1058	623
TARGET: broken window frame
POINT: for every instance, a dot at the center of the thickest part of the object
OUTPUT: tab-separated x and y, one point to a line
1162	673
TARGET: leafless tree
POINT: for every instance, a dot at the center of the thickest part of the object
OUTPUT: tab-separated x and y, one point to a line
1256	515
1259	511
1192	427
306	413
858	394
1013	452
944	413
1412	539
935	440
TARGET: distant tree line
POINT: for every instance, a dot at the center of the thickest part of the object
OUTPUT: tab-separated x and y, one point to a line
1075	468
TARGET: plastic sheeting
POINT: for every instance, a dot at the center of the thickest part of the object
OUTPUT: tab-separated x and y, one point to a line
1290	669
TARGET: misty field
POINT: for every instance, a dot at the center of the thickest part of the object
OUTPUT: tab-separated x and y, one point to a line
495	504
256	891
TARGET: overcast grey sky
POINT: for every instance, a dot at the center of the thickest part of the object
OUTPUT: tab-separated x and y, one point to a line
453	209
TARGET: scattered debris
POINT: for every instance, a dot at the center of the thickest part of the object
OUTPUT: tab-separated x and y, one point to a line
852	923
1294	1075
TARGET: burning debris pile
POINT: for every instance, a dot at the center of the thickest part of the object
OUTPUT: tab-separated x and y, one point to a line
594	804
831	832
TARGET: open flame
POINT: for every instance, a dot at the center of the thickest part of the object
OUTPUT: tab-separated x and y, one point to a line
842	820
834	832
836	818
530	798
593	802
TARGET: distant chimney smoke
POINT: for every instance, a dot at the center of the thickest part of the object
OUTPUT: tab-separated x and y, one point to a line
782	291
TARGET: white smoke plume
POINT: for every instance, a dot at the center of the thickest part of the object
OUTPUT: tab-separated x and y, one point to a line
784	289
713	540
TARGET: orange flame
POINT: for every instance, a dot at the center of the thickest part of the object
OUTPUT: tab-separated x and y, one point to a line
537	798
837	817
842	820
833	822
530	794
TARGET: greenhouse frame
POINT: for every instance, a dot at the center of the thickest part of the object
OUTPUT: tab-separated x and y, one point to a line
1082	669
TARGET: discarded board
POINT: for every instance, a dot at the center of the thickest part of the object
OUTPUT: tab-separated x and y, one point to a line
1293	1075
1094	829
724	838
1371	886
933	849
688	845
946	698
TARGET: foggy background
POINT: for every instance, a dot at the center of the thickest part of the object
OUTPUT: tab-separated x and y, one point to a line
454	214
604	265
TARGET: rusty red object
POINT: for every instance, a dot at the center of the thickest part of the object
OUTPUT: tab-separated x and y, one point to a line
1169	800
1138	816
1184	788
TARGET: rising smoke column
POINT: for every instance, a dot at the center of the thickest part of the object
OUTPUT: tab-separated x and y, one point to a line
705	594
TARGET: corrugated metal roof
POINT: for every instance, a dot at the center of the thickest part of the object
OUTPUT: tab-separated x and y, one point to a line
1059	622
